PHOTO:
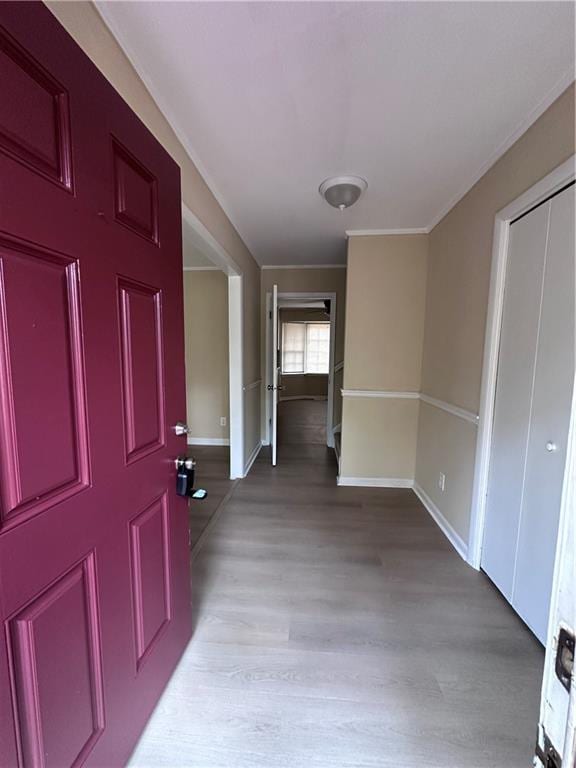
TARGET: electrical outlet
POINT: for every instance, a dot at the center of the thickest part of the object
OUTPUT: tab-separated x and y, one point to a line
442	481
222	421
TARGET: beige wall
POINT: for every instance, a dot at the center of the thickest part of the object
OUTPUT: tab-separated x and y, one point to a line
308	281
385	305
85	25
206	334
379	439
460	253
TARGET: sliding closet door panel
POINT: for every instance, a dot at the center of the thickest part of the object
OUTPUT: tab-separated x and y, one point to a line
520	319
551	403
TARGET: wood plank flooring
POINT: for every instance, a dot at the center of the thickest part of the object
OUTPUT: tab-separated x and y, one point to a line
337	628
302	421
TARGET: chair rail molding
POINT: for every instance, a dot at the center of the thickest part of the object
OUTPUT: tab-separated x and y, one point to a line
395	395
455	410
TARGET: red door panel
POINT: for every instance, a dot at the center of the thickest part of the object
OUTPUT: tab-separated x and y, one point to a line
40	346
141	329
76	697
94	559
150	553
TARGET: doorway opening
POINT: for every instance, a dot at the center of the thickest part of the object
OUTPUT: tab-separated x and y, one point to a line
300	334
213	354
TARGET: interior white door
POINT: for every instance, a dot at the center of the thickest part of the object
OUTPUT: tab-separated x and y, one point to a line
548	437
532	409
518	338
274	377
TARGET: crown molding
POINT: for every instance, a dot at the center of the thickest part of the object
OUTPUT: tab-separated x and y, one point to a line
303	266
378	232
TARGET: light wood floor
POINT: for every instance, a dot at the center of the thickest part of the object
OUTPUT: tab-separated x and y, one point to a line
336	628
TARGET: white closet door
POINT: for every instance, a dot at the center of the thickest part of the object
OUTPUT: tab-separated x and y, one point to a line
551	401
532	409
520	319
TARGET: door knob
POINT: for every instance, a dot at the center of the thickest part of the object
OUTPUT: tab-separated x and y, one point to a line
551	447
181	429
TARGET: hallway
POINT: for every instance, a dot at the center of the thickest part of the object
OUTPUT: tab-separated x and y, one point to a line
336	628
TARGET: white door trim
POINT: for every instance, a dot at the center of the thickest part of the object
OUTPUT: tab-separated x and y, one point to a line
236	374
545	188
333	309
274	370
212	249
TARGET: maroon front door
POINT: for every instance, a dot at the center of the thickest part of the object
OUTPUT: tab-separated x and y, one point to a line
94	560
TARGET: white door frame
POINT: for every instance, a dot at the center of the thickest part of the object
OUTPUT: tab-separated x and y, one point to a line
310	296
552	183
212	249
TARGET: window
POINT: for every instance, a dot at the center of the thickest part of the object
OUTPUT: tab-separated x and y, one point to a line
305	347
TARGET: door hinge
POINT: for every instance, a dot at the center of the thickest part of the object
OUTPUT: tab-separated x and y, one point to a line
270	314
548	755
565	658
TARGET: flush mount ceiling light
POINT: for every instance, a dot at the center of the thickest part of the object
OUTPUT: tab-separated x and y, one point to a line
342	191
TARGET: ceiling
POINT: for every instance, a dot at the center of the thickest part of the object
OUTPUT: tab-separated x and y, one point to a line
270	98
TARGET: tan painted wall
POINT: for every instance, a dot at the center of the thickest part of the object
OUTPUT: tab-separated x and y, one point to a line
304	280
385	305
85	25
206	334
460	253
379	438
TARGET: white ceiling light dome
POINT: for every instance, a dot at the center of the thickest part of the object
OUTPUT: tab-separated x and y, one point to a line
342	191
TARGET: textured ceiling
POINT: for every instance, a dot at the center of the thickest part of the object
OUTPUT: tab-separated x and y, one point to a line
271	98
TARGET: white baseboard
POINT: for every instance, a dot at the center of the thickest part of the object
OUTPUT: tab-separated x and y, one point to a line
301	397
453	537
208	441
252	458
376	482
